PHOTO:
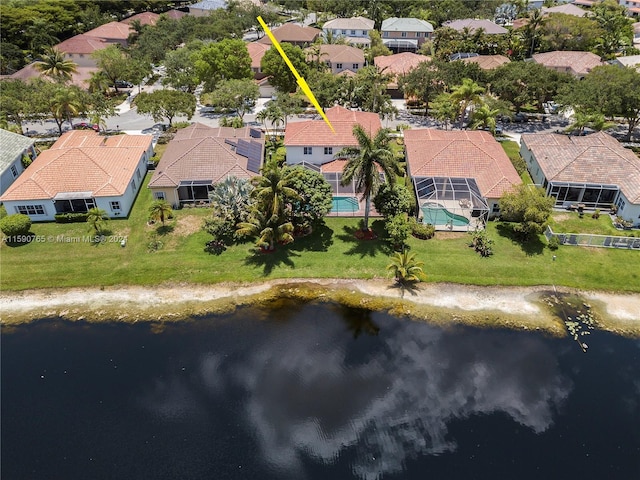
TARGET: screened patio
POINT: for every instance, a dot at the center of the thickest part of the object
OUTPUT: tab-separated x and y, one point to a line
590	195
74	202
451	203
194	191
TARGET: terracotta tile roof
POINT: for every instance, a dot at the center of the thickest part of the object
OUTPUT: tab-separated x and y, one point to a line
487	62
519	23
200	152
353	23
338	54
111	31
292	33
400	63
105	166
317	132
80	78
578	63
82	44
347	73
595	158
461	154
174	14
145	18
567	9
473	24
337	166
256	52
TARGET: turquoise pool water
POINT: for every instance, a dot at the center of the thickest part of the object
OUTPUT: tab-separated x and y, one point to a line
438	215
345	205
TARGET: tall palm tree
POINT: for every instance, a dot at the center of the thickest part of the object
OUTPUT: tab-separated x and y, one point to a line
96	218
160	210
465	95
54	65
406	269
363	162
536	20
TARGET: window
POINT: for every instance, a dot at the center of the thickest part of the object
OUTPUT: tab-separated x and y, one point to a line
158	195
621	204
133	184
308	150
385	34
496	208
418	34
115	206
356	66
14	171
403	34
328	150
30	209
138	173
353	32
344	32
338	65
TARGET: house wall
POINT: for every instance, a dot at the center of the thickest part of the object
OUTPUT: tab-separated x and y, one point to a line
7	178
337	32
423	36
128	198
81	59
337	67
317	157
47	204
630	211
532	165
170	195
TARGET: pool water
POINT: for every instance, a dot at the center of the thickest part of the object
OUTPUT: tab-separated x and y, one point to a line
442	216
345	204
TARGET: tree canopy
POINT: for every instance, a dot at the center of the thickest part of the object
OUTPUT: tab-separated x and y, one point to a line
224	60
167	104
528	208
282	78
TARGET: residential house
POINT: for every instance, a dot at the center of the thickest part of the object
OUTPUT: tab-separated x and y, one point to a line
405	34
473	25
632	61
578	64
337	57
398	65
636	34
112	32
458	176
593	170
256	52
82	170
632	6
205	7
293	34
200	156
313	142
145	18
13	147
355	30
174	14
487	62
566	9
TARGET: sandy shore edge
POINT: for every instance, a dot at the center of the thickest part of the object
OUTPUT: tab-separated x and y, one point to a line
159	302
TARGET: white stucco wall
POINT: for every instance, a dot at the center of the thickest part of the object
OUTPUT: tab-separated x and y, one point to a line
296	155
7	178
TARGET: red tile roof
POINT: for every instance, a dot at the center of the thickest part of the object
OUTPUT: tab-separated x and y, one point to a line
256	52
487	62
338	54
578	63
82	44
81	161
174	14
317	132
400	63
292	33
145	18
111	31
597	158
461	154
200	152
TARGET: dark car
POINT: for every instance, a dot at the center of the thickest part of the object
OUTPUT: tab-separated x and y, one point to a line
515	118
86	126
123	84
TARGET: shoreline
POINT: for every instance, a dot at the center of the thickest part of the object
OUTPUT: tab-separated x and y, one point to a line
444	303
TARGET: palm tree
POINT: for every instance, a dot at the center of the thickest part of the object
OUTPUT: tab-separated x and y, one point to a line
272	191
54	65
581	120
406	269
96	218
363	162
99	82
465	95
485	117
276	116
65	104
267	230
536	21
160	210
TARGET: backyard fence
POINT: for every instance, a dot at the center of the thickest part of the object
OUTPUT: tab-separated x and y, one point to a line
590	240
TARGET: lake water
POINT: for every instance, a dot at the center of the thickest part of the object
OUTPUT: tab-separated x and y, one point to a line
308	391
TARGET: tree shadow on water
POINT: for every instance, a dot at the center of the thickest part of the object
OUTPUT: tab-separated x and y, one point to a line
358	321
531	246
269	261
366	248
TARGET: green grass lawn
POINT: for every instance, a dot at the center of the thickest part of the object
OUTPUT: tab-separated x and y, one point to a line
330	252
512	149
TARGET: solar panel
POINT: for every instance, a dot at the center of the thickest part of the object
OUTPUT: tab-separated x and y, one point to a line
243	148
231	142
253	165
254	133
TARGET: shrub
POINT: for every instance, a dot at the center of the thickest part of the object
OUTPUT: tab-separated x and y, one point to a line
554	243
481	243
398	228
595	215
215	247
70	217
393	200
220	228
15	225
3	212
423	231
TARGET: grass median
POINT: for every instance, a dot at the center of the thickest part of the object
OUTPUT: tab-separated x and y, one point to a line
66	257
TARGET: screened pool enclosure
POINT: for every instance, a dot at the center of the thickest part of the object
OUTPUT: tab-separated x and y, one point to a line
450	203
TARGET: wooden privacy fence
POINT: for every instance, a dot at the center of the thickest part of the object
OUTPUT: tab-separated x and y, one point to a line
591	240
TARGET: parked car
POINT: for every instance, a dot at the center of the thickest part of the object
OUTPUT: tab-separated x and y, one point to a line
86	126
123	84
515	118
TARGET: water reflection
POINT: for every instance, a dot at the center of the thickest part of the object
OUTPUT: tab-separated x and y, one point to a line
309	389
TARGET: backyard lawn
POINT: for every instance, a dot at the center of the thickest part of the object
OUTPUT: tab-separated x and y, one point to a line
330	252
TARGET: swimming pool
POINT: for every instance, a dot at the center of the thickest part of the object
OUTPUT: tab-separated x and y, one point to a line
345	205
436	214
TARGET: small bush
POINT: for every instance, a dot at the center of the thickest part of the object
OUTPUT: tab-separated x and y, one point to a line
554	243
423	231
398	228
481	243
3	212
15	225
70	217
215	247
220	228
596	215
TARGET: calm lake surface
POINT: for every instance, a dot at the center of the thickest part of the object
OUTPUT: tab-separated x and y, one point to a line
315	391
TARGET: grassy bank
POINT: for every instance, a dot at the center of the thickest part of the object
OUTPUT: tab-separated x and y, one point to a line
331	252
